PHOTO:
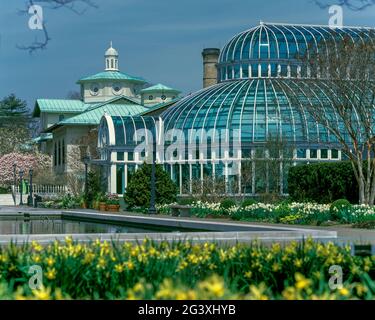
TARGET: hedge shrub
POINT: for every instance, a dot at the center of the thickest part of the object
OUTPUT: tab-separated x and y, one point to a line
227	204
340	204
138	191
248	202
323	182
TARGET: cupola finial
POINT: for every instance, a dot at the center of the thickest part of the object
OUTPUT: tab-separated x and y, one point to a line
111	59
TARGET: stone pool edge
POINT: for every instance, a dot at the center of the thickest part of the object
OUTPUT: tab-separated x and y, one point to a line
218	231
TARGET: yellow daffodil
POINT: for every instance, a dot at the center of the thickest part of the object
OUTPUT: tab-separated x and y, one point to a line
101	263
51	274
302	282
42	293
119	268
50	261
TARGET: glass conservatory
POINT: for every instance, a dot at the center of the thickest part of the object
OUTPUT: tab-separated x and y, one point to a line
247	130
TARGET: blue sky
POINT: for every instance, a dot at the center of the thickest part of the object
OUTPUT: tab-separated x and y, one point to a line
160	41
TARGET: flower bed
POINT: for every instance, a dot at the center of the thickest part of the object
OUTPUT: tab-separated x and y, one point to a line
101	270
288	213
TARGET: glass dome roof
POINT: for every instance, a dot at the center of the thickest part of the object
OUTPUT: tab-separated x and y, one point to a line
257	108
277	46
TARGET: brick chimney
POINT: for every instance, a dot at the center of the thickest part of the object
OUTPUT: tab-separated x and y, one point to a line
210	60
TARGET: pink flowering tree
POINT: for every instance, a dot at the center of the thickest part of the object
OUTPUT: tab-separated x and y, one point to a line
25	162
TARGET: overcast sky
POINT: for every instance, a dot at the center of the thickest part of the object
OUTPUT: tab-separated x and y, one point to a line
159	40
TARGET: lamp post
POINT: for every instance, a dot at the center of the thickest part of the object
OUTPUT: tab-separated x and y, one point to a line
152	209
14	183
86	161
14	174
30	197
21	180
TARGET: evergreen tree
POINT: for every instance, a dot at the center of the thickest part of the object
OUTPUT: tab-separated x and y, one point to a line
138	191
14	124
13	112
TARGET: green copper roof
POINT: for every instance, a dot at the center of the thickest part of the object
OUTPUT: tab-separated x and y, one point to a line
160	87
159	108
128	100
58	106
112	75
92	117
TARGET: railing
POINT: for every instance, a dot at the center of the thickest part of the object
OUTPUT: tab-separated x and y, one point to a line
42	189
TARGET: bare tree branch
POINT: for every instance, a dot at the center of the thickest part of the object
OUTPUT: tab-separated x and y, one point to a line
79	7
339	96
355	5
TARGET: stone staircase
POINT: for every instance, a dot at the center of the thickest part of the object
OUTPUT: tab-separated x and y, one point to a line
6	200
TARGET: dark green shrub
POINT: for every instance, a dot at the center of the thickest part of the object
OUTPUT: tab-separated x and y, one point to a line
339	210
247	203
227	204
5	190
138	191
338	205
322	182
69	202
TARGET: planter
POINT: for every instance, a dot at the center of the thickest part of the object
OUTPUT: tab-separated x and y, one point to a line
102	206
113	207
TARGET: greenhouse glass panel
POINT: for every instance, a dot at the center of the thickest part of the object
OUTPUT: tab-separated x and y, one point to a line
120	156
130	156
273	172
264	68
284	70
245	71
324	154
196	171
230	73
185	169
247	176
176	174
254	70
237	71
313	153
207	170
261	176
334	154
301	153
232	183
